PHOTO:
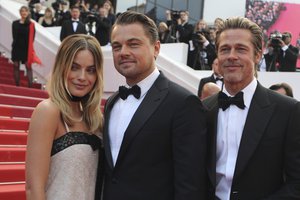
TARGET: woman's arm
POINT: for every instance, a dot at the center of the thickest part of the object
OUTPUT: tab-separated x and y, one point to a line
43	126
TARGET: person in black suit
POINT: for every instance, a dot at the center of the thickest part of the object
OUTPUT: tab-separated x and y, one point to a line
103	26
182	30
254	140
204	52
216	77
73	26
280	51
155	139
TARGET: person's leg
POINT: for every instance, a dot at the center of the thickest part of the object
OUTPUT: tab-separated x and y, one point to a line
17	72
29	74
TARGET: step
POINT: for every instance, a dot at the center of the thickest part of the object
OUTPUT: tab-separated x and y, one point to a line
9	99
12	172
15	111
3	59
23	91
14	124
23	83
6	65
12	191
13	138
12	153
8	73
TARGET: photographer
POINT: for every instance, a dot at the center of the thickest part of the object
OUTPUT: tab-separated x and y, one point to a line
103	26
181	29
204	52
280	54
61	11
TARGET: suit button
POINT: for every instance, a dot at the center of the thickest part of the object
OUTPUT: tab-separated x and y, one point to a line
234	195
114	180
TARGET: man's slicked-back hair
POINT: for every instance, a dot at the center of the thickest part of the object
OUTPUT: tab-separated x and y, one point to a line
132	17
242	23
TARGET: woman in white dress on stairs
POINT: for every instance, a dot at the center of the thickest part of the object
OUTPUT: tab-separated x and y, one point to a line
64	139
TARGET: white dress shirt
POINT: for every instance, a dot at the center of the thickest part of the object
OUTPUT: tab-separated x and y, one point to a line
123	111
229	133
218	82
75	24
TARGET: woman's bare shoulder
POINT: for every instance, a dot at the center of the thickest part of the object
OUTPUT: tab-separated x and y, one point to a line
47	107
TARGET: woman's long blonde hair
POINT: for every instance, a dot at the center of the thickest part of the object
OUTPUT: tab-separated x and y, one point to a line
57	87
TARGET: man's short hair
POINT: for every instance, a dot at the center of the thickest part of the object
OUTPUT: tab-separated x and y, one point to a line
132	17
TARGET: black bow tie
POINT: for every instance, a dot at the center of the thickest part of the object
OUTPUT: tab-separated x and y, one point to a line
225	101
74	21
124	92
219	79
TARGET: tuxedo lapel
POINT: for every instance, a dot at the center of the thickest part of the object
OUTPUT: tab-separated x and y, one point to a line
260	108
213	108
107	111
152	100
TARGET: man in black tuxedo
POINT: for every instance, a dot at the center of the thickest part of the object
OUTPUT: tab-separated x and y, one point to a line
281	51
216	78
154	139
73	26
254	140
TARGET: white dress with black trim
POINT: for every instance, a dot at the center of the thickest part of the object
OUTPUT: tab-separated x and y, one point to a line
73	166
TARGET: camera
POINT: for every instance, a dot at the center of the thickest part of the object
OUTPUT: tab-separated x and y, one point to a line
175	14
91	16
275	39
203	32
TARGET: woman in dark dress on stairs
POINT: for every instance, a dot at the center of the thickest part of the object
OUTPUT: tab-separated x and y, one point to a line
20	33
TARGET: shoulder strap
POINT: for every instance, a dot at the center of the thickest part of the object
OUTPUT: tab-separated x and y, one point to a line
66	126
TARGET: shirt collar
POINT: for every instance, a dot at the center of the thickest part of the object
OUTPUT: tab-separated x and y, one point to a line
146	83
248	92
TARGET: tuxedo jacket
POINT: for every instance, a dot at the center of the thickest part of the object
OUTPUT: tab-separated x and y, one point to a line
288	61
203	81
67	29
162	156
268	160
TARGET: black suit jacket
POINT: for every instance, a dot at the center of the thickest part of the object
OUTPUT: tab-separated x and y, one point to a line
103	31
288	61
67	29
203	81
268	161
162	156
185	32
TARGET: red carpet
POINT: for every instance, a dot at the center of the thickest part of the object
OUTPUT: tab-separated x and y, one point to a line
16	107
12	191
12	172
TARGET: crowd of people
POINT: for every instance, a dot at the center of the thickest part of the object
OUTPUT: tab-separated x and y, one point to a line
90	17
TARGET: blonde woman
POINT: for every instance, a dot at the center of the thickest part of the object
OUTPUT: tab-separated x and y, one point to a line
48	19
64	134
